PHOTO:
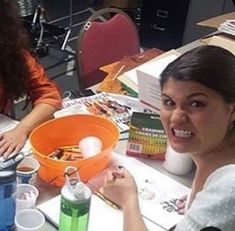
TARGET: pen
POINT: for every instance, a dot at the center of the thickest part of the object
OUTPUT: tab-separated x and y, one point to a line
106	200
118	72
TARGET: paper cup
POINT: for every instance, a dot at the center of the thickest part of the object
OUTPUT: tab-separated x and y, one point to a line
26	196
29	220
26	171
177	163
90	146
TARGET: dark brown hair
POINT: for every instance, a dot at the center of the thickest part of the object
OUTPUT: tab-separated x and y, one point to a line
14	43
211	66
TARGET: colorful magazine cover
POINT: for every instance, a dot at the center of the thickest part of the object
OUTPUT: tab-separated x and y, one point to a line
102	105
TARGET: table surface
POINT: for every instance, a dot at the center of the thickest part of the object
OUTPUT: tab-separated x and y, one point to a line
48	191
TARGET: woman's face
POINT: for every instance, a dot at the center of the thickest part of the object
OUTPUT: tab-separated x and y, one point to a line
195	117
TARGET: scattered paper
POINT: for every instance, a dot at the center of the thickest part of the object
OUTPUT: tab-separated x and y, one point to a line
117	109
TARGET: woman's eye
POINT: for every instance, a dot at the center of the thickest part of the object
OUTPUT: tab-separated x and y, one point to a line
168	102
197	104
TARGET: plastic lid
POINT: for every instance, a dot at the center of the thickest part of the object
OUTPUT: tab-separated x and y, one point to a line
78	193
7	176
74	189
80	190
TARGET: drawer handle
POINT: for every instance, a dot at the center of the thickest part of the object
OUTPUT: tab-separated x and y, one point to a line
156	27
162	13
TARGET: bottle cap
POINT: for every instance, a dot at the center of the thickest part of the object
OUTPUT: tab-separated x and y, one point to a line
74	189
81	191
7	176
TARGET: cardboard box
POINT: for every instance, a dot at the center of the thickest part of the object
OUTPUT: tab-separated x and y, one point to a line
216	21
226	42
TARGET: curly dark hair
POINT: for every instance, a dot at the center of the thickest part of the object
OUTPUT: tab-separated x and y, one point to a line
14	43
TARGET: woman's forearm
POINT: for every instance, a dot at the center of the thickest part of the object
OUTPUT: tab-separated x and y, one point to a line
132	217
40	113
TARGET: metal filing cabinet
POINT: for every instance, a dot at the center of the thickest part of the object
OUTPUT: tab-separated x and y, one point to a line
163	23
168	24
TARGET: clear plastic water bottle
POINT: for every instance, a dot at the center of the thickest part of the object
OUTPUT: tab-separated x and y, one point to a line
75	203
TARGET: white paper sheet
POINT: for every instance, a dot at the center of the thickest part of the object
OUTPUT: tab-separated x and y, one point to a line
154	68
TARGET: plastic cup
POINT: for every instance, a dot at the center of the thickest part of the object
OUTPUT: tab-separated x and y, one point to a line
26	171
29	220
177	163
26	196
90	146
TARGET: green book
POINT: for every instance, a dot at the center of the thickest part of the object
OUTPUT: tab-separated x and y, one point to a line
147	137
130	91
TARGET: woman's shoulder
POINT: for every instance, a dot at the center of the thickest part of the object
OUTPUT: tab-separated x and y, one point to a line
214	205
221	175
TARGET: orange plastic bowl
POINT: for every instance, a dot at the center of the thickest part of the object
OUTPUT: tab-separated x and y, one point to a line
67	131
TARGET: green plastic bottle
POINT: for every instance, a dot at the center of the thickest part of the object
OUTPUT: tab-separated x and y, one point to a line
75	206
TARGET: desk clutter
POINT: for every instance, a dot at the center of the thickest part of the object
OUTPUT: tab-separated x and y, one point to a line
18	196
155	208
117	108
112	84
87	147
48	142
83	136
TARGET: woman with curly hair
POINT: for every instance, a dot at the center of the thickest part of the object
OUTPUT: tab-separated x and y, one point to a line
21	75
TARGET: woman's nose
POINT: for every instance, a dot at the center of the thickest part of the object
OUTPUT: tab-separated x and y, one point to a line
179	116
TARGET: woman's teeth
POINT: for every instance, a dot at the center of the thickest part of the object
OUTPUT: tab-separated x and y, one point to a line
182	133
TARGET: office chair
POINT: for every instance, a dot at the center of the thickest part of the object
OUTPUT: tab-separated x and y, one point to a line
43	34
107	36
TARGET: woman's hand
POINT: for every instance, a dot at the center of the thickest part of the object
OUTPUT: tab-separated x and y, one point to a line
182	204
12	141
120	187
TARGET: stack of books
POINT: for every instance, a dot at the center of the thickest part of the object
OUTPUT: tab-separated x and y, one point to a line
144	79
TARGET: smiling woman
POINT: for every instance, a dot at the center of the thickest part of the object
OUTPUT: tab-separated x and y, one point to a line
198	114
